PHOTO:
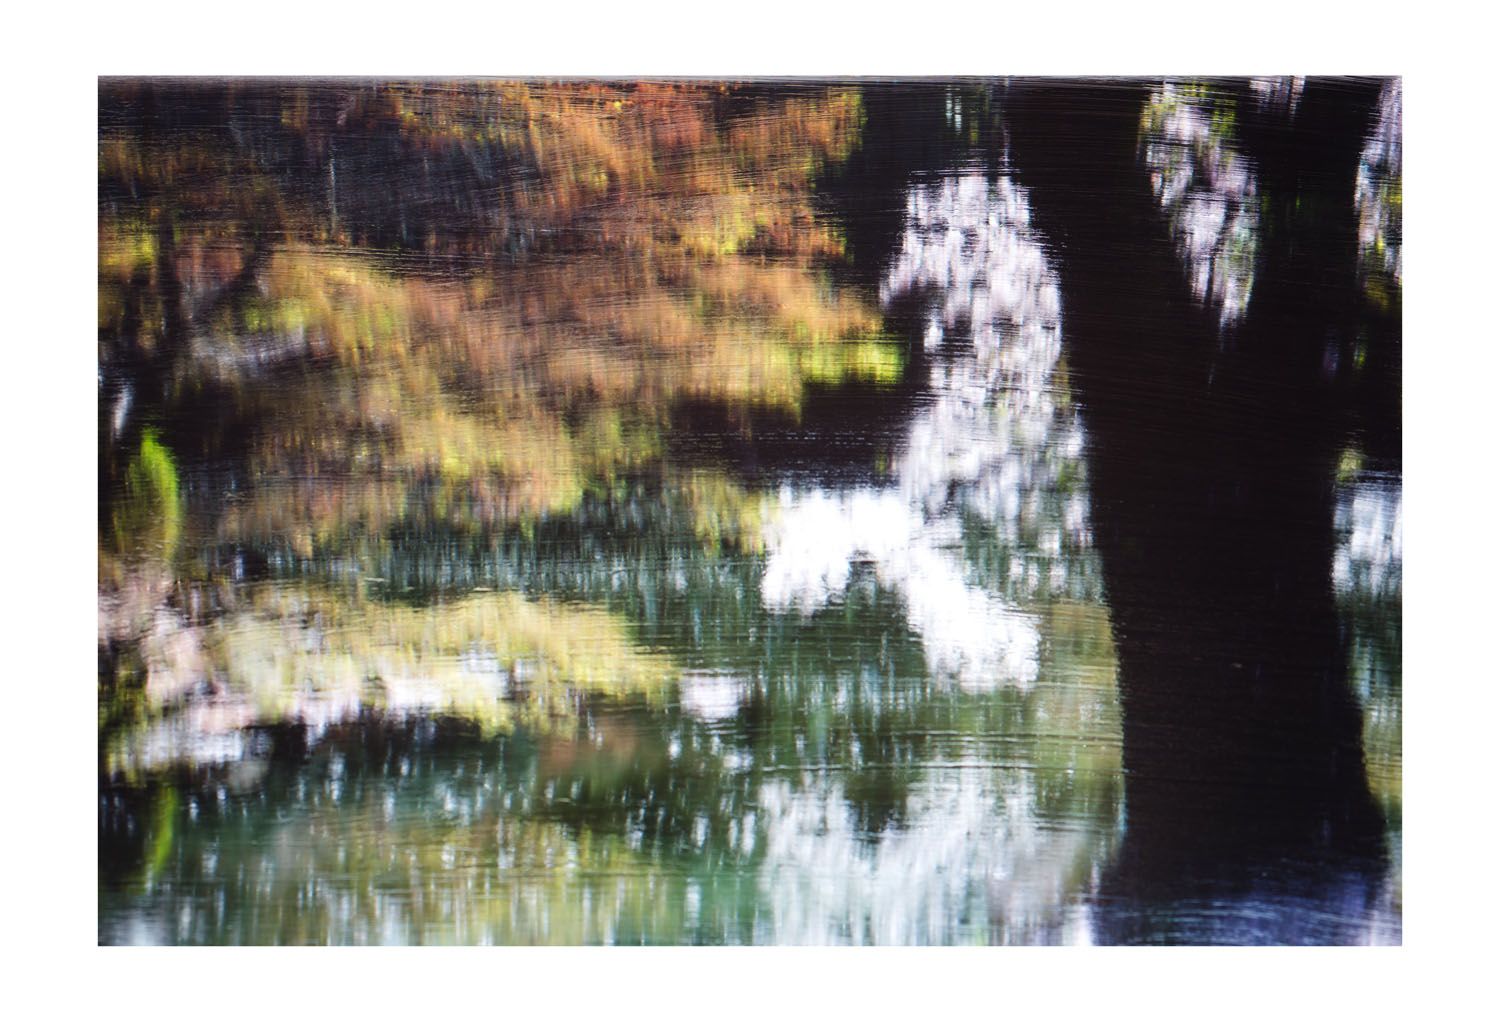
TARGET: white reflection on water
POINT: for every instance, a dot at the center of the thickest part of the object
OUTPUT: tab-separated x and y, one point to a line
996	443
711	695
1377	189
1367	521
969	634
1367	585
974	849
1280	93
1208	192
294	653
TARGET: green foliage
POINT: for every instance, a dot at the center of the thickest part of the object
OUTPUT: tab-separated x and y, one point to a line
148	517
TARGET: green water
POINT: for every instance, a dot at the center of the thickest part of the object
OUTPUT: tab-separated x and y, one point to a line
598	514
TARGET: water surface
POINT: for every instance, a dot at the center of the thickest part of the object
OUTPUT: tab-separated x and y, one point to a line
759	513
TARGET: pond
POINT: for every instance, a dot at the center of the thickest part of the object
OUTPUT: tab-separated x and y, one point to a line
749	513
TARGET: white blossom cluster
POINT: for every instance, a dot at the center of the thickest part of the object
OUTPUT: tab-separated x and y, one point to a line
994	441
1209	194
1377	189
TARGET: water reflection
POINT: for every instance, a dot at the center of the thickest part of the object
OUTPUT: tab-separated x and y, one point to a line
1250	812
1367	584
1021	879
315	658
982	529
1208	191
1377	198
1278	93
1367	519
651	245
837	804
465	575
993	458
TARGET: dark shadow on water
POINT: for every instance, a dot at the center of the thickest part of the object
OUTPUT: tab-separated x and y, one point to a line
1212	483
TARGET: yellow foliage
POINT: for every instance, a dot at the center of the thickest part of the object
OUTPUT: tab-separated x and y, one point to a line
689	267
317	656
